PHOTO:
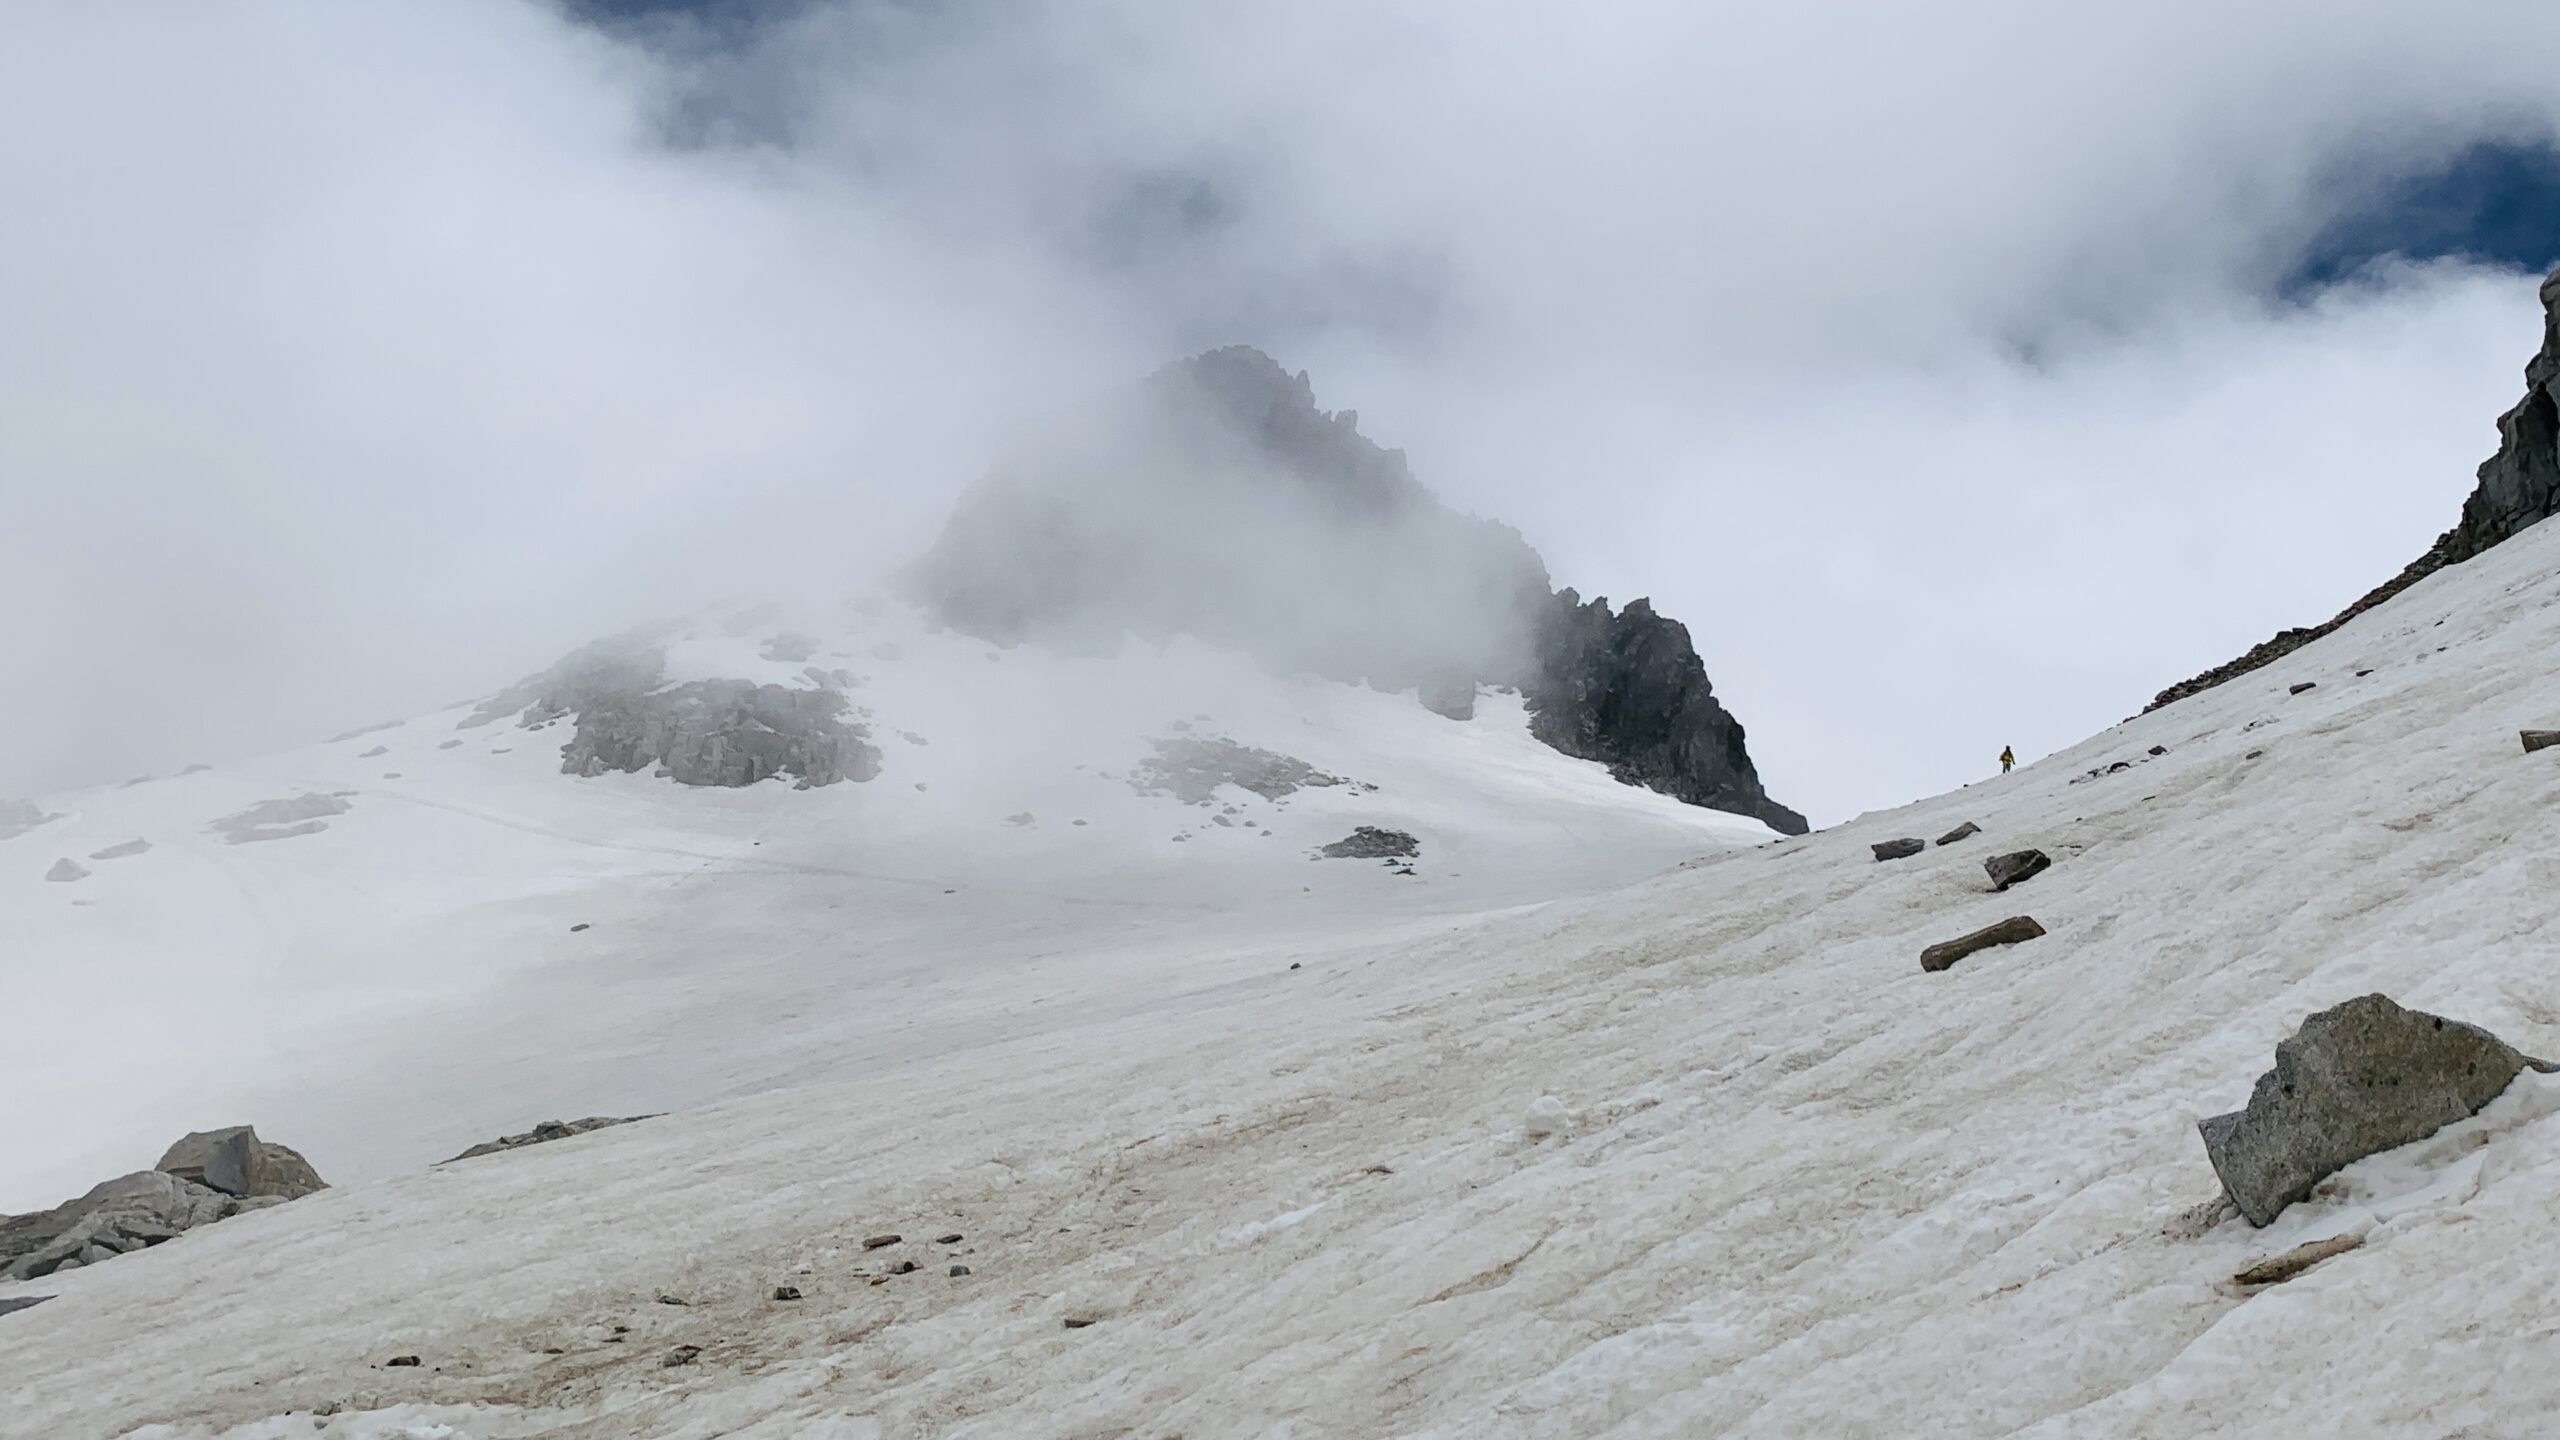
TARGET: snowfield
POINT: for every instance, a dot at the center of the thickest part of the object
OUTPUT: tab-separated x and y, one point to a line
1525	1151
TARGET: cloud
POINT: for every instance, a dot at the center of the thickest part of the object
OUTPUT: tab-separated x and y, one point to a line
1928	364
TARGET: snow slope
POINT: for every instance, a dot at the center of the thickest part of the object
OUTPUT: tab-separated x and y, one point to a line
1704	1155
406	982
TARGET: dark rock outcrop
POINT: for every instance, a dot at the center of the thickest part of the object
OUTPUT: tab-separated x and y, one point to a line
1368	842
2008	932
2355	1080
1898	849
546	1132
149	1207
2007	870
2518	487
1133	522
1629	690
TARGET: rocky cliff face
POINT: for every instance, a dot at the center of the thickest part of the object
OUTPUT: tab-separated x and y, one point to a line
2519	486
1218	501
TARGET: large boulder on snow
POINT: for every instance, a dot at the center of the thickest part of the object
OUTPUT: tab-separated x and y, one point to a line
129	1212
722	732
236	1162
2355	1080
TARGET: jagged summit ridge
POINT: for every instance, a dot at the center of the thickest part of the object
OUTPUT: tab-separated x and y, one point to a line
1217	499
2518	486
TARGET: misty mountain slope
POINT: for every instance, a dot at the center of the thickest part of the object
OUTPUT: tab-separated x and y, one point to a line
1216	500
403	980
1708	1154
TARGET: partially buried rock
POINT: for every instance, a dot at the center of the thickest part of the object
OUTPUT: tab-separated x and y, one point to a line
548	1130
2277	1269
2305	685
2007	870
2539	739
1965	831
786	1292
1368	842
2355	1080
67	869
681	1355
403	1362
2008	932
1898	849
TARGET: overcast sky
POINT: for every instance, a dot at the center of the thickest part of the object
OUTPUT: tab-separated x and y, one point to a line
1962	373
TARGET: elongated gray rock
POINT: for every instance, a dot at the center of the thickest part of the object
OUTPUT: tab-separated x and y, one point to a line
1898	849
12	1303
2355	1080
2539	739
1965	831
121	851
2008	932
2007	870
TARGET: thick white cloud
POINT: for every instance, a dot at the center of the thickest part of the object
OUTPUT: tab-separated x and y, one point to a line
355	356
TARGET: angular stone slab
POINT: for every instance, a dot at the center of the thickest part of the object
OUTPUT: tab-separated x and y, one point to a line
236	1162
2539	739
2008	932
9	1303
1898	849
2355	1080
1965	831
2007	870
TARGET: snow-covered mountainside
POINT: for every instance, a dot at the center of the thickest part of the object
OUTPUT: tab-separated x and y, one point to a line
379	965
1708	1154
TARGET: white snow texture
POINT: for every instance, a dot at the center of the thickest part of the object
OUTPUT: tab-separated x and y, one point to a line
1529	1146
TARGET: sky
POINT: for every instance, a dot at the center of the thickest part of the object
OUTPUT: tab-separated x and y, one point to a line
1961	374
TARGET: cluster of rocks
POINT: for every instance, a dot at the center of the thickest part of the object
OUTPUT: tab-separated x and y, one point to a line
280	819
2517	487
1368	842
208	1176
1190	768
548	1131
1358	573
701	732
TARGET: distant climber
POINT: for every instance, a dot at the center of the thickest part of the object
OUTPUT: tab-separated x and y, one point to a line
2008	759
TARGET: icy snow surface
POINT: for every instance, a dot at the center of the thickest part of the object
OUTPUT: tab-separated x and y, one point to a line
1702	1154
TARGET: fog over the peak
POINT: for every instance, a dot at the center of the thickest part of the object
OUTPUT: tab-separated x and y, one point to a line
1937	365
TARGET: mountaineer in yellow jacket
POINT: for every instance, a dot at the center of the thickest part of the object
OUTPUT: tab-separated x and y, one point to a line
2008	759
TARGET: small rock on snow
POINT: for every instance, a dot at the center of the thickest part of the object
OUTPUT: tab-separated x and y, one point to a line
67	868
878	1242
2277	1269
786	1292
949	1240
1898	849
2539	739
2008	932
959	1270
681	1355
403	1362
2007	870
2305	685
1965	831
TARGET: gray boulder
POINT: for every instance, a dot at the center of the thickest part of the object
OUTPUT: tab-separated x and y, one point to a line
130	1212
2355	1080
1448	693
2007	870
548	1130
17	817
2008	932
236	1162
1965	831
1368	842
1899	849
66	869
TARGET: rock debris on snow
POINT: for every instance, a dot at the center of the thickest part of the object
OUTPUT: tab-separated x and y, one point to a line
2354	1080
549	1130
2007	932
2017	865
1902	849
1368	842
2276	1269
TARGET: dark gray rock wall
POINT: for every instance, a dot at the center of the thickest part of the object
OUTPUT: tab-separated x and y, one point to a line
2518	487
